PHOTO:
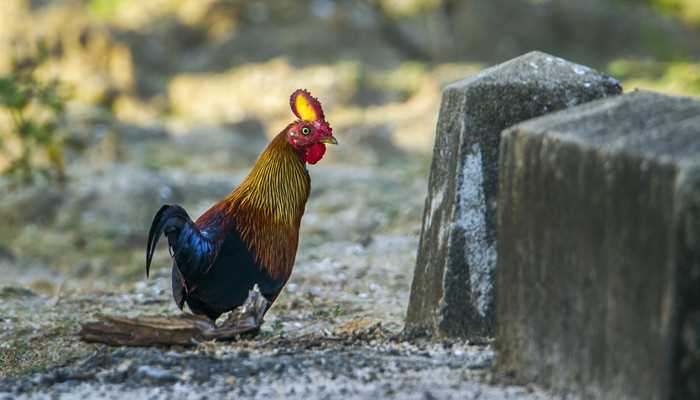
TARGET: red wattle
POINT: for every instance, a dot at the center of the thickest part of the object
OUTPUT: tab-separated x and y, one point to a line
314	153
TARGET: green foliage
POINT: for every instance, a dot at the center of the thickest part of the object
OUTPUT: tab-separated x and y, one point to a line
636	69
30	142
338	311
686	10
104	8
671	77
278	327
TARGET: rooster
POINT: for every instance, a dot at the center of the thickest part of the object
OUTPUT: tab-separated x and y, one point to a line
250	237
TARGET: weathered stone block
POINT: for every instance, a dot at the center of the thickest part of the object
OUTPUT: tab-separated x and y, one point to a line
598	278
452	292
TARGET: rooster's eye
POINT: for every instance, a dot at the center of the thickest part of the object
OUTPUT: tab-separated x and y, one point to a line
305	131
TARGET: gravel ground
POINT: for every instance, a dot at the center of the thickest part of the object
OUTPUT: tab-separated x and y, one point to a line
335	332
310	367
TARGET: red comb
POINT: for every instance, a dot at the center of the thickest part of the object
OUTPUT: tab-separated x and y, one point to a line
312	102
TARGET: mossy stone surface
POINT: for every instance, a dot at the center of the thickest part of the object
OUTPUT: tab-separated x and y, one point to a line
598	273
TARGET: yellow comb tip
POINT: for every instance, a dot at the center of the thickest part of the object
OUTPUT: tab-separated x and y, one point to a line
305	106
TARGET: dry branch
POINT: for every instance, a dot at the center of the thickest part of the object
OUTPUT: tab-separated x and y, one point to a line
177	330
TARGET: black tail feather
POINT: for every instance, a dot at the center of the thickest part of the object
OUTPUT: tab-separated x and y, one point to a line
192	251
179	287
169	217
153	236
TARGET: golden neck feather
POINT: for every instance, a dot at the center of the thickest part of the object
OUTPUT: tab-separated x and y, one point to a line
268	205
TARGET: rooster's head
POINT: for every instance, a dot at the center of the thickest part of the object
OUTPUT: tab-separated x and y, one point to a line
310	133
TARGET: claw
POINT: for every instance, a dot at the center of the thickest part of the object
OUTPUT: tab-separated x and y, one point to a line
246	318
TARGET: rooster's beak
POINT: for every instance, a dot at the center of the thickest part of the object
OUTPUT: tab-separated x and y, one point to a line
329	140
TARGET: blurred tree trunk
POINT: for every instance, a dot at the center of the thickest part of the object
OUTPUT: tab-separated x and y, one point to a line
392	33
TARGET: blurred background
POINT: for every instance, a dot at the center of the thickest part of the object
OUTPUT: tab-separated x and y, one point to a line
109	108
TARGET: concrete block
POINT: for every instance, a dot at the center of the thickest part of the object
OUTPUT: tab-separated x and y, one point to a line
452	291
598	277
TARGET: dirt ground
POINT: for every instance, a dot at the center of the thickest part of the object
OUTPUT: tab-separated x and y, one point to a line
335	343
336	331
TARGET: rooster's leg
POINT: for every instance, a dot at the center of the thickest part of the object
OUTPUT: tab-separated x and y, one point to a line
247	318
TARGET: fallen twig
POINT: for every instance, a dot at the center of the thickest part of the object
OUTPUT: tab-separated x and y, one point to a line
175	330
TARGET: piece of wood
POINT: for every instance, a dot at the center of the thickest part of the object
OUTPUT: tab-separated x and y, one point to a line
175	330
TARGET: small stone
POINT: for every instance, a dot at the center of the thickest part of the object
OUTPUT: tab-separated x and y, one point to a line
124	366
156	374
244	354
